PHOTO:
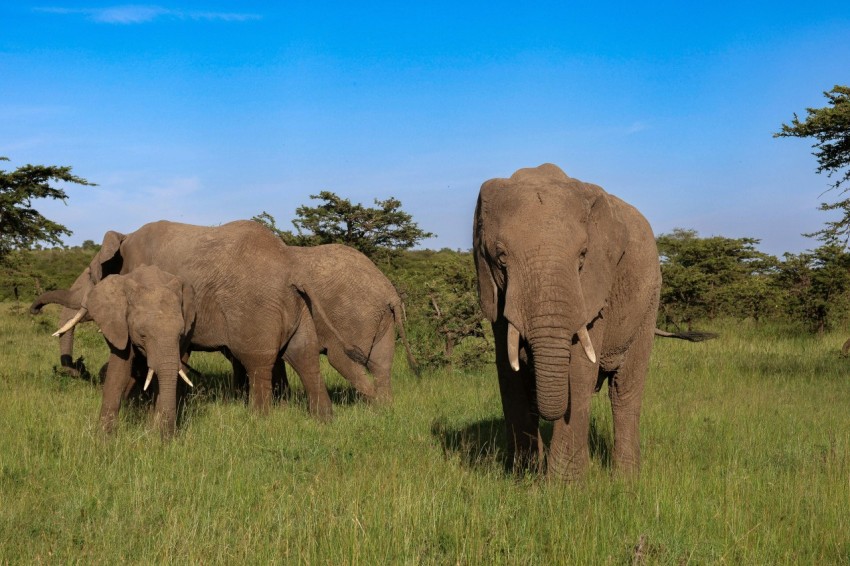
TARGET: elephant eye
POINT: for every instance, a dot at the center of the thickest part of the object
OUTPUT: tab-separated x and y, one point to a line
581	258
501	257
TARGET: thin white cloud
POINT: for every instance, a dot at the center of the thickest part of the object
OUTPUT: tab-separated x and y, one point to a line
141	14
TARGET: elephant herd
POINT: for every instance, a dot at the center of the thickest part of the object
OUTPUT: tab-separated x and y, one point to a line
568	276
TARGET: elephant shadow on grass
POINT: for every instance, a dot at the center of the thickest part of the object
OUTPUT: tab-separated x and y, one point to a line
483	445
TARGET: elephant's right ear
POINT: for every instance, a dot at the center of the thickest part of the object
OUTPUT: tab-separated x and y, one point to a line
108	259
487	291
107	304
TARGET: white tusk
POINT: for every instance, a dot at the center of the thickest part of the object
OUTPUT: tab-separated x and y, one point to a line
584	338
513	346
185	377
71	323
148	380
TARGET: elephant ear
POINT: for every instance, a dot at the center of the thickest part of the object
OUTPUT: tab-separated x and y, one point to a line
187	300
487	290
107	305
606	243
108	259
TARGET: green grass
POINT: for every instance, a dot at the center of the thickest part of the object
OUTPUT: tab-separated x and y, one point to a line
746	460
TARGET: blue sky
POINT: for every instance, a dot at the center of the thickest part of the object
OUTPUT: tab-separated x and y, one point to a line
206	112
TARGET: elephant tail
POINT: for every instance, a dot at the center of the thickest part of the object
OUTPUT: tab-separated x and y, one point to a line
399	315
696	336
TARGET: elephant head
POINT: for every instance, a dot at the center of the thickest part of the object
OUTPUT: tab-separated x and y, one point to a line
546	250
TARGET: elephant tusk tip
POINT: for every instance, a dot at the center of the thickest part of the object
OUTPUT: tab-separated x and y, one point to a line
57	334
185	378
515	365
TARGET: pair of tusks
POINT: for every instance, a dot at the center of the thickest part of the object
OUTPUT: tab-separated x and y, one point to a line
181	373
79	316
513	345
71	323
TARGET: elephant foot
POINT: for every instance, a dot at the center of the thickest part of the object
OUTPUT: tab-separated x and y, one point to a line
322	413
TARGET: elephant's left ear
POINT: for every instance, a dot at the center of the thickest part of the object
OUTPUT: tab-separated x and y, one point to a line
606	242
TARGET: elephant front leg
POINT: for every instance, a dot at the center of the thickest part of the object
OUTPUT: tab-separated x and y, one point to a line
525	446
626	393
569	453
118	372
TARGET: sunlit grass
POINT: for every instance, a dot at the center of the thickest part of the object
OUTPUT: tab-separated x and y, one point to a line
745	444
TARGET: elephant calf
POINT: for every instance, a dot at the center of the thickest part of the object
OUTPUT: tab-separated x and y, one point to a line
147	314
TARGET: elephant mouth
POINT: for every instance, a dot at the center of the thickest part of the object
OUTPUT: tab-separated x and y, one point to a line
513	345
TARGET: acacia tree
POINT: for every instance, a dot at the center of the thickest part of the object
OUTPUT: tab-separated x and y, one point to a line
21	225
380	233
830	127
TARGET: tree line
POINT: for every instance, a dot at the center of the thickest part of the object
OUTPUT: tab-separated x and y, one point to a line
704	278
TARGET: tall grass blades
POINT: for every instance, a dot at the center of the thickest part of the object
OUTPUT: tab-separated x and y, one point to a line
745	443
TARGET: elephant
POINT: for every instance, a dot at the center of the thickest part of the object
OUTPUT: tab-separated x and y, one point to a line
355	309
245	303
147	314
569	277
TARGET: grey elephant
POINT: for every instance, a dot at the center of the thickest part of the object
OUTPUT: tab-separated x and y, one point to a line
145	315
569	277
356	311
245	303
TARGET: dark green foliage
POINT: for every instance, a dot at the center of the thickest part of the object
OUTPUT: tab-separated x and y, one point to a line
439	292
710	277
21	225
830	126
28	273
816	286
379	233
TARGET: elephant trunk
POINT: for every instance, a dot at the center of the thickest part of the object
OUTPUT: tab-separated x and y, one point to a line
166	367
551	330
63	297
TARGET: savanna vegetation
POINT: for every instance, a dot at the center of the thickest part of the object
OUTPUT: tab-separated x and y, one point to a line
746	440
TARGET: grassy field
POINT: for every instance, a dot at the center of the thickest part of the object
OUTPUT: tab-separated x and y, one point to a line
746	446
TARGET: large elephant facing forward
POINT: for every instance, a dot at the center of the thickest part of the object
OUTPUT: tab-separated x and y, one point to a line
569	277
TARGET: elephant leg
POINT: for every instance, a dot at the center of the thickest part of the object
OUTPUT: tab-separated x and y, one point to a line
381	365
525	445
66	346
302	353
259	372
240	376
625	391
354	372
569	453
117	379
280	383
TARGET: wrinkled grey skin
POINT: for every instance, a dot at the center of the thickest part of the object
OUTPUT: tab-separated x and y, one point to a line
554	255
356	311
245	303
147	313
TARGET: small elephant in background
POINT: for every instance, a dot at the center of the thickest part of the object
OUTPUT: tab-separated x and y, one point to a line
356	310
146	315
569	277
